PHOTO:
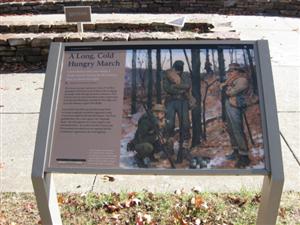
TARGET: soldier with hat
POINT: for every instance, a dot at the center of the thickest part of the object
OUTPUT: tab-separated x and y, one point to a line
236	87
177	85
145	141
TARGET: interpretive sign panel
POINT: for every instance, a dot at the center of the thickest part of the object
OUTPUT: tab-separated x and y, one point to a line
172	107
78	14
89	109
191	107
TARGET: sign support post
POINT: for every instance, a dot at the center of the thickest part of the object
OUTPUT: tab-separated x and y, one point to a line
80	27
270	200
46	198
273	183
42	181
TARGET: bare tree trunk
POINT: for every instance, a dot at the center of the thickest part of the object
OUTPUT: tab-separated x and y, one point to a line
253	73
158	76
150	79
133	82
245	59
171	58
222	79
213	60
231	55
196	92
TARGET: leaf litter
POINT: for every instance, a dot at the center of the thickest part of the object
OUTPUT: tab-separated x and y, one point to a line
147	208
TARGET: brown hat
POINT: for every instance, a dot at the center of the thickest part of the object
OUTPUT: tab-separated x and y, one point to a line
158	108
235	66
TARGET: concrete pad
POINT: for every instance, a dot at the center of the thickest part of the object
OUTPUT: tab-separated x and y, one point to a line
21	93
289	124
79	183
17	146
265	23
291	170
173	183
18	134
283	36
287	83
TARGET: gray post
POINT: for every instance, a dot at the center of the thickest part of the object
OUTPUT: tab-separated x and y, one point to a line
46	199
42	182
273	184
80	27
270	200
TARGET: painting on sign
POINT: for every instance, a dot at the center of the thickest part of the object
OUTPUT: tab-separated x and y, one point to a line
193	108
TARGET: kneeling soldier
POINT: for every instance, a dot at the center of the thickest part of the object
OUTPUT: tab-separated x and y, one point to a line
146	142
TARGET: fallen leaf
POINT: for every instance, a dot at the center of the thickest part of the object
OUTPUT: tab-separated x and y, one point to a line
139	219
60	199
197	201
179	191
196	189
282	212
256	199
131	195
236	200
135	202
108	178
110	208
148	218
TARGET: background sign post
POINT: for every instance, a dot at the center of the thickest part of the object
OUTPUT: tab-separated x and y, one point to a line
78	14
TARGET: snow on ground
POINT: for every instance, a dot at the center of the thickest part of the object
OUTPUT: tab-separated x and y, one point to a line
127	158
258	152
216	162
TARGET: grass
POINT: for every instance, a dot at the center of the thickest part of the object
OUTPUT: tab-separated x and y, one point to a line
179	208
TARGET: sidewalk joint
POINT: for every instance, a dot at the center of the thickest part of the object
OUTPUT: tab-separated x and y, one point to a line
94	181
289	147
18	113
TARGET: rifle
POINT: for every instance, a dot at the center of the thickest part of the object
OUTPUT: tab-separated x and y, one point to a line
159	135
248	128
181	150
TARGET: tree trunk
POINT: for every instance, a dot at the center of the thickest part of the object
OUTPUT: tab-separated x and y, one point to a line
171	58
196	92
213	60
231	55
133	82
245	59
253	73
150	79
158	76
222	79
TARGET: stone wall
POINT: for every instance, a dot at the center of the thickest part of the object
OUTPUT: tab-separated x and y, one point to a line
34	48
100	27
236	7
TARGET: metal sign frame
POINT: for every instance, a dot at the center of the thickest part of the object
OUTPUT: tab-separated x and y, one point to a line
273	173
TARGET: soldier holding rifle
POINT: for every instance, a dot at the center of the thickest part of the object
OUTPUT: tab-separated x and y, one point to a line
177	84
236	87
149	138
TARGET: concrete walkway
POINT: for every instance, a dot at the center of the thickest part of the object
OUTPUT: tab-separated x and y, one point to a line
21	98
